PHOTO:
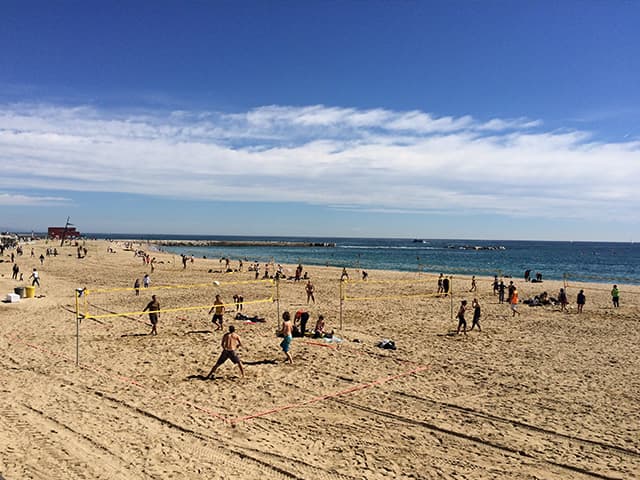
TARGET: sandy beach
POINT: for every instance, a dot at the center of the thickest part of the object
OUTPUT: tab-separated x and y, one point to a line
543	395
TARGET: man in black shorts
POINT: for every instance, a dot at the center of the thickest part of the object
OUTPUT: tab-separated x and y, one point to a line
476	314
230	343
153	307
218	311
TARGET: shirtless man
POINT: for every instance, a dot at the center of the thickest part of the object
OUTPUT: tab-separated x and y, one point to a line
153	307
309	289
287	333
218	309
230	343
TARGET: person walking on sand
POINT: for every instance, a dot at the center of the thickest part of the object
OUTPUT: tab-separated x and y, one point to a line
218	312
136	286
474	286
615	296
309	289
564	301
146	281
238	301
513	301
153	307
440	278
476	314
230	343
462	323
287	334
36	278
581	300
501	289
510	291
16	271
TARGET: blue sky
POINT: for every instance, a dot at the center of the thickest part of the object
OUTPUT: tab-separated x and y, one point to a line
456	119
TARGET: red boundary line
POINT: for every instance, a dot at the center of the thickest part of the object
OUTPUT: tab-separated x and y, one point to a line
318	344
120	378
319	398
232	421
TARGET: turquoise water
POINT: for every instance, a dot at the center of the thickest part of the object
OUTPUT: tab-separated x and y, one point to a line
580	261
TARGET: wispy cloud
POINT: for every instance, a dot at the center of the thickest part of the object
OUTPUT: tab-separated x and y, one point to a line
374	159
19	200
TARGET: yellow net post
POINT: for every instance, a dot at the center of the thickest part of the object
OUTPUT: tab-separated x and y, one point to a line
451	293
341	301
78	292
278	301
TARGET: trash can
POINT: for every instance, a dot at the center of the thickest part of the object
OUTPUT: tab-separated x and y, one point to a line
30	291
19	291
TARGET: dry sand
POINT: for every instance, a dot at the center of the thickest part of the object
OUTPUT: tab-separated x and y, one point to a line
545	395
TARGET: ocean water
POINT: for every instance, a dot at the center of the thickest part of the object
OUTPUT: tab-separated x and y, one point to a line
579	261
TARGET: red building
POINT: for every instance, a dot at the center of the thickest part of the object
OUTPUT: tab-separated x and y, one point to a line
55	233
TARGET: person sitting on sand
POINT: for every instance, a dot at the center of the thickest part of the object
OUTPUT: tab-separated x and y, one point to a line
247	318
287	334
318	331
230	343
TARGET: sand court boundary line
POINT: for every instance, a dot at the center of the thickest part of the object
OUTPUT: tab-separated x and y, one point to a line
519	423
229	421
120	378
476	439
356	388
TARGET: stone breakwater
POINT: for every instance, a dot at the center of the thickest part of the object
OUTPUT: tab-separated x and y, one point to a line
238	243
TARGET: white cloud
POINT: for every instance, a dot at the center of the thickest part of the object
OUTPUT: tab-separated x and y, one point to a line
374	159
16	200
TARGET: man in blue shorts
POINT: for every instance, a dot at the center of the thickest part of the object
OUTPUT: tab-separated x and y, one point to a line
287	333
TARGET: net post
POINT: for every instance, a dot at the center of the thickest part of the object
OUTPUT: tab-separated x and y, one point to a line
78	293
341	301
451	293
277	280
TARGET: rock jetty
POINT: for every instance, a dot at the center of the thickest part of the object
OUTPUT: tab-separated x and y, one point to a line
239	243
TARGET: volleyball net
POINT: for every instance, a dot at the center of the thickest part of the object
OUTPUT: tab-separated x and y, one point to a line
92	303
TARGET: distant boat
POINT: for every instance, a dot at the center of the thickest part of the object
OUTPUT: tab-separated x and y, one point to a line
417	240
